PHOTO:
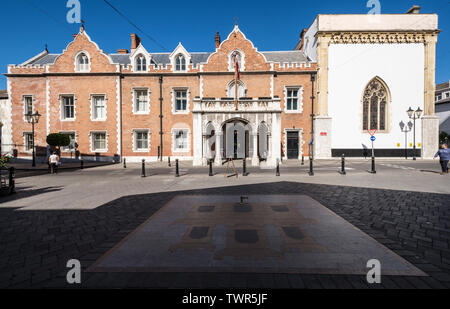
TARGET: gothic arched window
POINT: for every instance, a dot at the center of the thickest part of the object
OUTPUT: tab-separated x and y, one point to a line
141	63
375	105
180	63
241	91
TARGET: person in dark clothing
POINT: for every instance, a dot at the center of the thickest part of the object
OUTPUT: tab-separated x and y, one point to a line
444	154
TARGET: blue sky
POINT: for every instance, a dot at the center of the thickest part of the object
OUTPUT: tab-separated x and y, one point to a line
271	25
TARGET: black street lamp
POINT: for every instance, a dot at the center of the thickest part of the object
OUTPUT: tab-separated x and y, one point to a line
33	119
311	145
414	115
406	129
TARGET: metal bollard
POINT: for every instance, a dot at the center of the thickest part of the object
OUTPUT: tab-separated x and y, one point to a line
143	169
343	172
278	168
170	164
303	160
82	164
177	169
373	171
124	163
311	166
12	182
244	167
211	168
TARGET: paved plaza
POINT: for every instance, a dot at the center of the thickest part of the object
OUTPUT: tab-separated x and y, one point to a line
194	231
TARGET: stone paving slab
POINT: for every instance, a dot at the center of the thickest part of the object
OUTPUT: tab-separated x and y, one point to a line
271	234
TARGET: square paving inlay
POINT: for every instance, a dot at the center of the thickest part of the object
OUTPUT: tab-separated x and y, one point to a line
267	234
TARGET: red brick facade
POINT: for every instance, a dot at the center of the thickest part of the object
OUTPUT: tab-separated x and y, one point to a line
117	81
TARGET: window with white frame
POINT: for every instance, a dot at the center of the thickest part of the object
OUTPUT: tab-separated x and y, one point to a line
68	107
293	98
141	140
82	63
99	141
181	100
28	139
181	142
236	56
141	101
447	95
241	90
71	146
28	102
439	97
180	63
141	63
98	107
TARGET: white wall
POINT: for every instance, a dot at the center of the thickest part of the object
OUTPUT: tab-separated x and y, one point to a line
352	66
310	48
5	119
443	112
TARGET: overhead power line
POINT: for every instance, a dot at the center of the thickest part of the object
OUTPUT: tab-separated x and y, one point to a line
134	25
49	15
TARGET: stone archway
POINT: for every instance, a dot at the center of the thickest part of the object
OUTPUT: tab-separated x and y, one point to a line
237	143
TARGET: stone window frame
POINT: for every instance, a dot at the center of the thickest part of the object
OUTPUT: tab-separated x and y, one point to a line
188	138
174	106
133	96
177	58
143	65
91	99
25	142
231	67
134	140
300	90
77	65
33	100
61	107
387	129
91	141
231	94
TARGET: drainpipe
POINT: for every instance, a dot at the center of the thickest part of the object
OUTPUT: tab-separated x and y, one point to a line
313	78
161	132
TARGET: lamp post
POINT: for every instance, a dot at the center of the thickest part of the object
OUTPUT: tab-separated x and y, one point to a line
33	119
414	115
311	145
406	129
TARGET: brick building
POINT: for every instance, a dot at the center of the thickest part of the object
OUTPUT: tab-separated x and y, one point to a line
136	104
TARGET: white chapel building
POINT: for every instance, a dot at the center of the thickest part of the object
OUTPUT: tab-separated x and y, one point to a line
371	70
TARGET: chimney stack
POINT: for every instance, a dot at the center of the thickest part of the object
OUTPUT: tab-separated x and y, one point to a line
122	51
135	41
414	10
301	45
217	39
74	35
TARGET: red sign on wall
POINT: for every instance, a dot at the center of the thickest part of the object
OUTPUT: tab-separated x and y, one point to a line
323	133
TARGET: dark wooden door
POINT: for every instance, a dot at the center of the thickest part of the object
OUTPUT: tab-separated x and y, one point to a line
292	145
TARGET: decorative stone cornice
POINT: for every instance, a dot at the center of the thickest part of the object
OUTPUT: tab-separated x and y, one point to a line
378	37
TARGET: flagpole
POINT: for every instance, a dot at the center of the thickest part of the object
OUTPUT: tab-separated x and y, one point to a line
236	82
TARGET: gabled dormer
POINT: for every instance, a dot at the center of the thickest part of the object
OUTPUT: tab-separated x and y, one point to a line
140	60
180	60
